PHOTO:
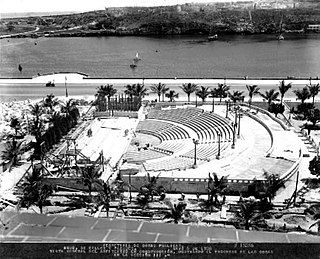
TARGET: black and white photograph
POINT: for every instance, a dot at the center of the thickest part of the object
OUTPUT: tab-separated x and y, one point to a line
160	129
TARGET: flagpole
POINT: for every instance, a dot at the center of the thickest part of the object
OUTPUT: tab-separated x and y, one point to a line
65	85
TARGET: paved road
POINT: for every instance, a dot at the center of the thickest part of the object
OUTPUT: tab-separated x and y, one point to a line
27	227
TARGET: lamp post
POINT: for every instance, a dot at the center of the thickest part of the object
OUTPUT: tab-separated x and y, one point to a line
212	103
239	115
234	136
227	108
196	101
218	155
130	197
195	142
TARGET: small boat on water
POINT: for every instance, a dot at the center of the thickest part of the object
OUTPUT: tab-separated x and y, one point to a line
50	84
133	65
213	37
137	58
20	68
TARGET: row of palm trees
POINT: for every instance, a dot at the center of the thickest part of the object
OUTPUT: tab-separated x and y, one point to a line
221	91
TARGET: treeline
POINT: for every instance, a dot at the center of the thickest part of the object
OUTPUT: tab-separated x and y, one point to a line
153	21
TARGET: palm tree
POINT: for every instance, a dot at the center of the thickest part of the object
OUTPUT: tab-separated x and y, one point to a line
221	91
203	93
90	177
283	88
252	90
216	186
50	101
105	91
12	152
15	124
248	215
164	91
302	94
140	91
68	106
151	188
314	90
35	192
129	90
236	96
189	89
172	95
176	211
270	96
159	89
36	126
272	184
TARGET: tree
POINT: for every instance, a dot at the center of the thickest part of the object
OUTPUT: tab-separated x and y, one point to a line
221	91
270	96
103	92
15	125
252	90
276	108
216	187
151	188
248	215
35	191
314	166
313	116
176	211
203	93
90	177
283	88
36	127
12	152
272	184
302	94
159	89
140	91
50	101
189	89
172	95
236	96
129	90
314	90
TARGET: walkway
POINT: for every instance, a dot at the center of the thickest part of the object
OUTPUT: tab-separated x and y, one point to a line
27	227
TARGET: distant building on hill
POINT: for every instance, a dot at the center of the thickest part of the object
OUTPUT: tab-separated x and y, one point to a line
314	27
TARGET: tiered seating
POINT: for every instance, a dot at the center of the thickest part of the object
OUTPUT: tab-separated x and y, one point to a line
173	163
135	156
175	115
206	152
163	130
171	146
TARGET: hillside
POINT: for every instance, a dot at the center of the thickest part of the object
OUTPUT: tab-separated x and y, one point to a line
167	20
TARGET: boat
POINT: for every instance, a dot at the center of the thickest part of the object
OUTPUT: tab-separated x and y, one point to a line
20	68
50	84
213	37
280	37
137	58
133	64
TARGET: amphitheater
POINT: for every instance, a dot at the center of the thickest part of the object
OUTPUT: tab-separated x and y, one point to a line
182	144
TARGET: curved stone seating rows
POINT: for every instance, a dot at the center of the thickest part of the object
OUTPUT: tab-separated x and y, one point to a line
206	151
163	130
175	115
171	146
206	125
172	163
135	156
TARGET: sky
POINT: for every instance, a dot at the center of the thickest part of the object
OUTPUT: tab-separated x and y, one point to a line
19	6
